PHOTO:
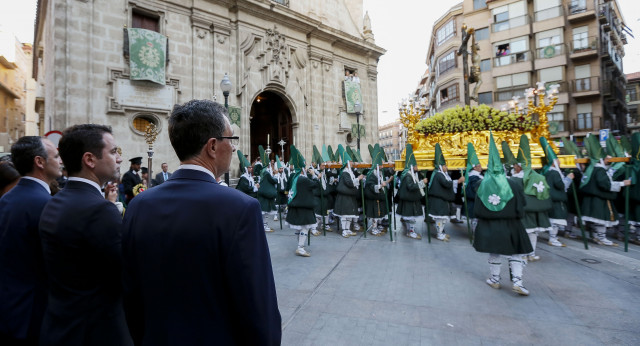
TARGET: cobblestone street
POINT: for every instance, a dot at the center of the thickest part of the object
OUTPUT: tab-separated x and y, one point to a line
370	291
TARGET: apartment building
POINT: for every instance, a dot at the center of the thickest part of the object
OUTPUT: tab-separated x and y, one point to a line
392	138
15	59
578	44
633	101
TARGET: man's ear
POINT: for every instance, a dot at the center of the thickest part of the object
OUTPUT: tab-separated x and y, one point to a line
39	161
89	160
211	147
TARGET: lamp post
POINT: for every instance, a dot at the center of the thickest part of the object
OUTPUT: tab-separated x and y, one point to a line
358	108
225	86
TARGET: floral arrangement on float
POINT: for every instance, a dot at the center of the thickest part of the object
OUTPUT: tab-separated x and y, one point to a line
455	127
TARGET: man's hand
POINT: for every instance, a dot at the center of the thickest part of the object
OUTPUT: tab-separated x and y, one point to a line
571	176
360	177
461	180
627	182
425	180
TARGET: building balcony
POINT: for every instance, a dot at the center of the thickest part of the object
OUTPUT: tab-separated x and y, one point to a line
514	58
513	63
579	10
548	13
585	87
448	103
604	15
549	56
507	94
549	18
584	48
510	23
587	122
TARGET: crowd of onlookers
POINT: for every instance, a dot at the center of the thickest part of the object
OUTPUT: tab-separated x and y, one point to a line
176	267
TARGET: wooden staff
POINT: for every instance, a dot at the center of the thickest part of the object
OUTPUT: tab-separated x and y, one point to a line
579	215
626	209
426	211
466	209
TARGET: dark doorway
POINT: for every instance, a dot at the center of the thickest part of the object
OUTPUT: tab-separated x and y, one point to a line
271	116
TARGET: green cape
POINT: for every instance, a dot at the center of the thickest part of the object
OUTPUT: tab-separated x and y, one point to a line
494	190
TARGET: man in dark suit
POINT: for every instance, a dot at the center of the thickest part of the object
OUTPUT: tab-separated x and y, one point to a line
81	244
197	268
132	178
164	175
23	289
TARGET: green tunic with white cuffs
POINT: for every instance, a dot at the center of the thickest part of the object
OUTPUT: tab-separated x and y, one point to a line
501	232
375	202
301	206
409	197
598	199
536	211
440	195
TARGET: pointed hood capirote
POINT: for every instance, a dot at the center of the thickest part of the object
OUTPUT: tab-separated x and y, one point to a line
571	148
507	154
472	159
244	163
494	190
438	159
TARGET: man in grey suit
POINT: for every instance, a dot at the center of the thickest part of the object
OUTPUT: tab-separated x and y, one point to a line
162	176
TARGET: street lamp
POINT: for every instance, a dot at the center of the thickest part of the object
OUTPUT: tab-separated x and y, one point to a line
358	108
225	86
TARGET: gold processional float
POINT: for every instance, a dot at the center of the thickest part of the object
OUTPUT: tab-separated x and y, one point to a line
455	127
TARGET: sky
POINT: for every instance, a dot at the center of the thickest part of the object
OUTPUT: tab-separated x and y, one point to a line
402	27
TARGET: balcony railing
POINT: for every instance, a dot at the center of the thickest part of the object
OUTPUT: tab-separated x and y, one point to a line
548	13
281	2
449	102
551	51
511	59
577	6
510	23
585	84
587	122
556	126
508	94
584	44
632	97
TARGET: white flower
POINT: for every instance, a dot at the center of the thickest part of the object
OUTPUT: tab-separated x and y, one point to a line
539	186
149	56
494	199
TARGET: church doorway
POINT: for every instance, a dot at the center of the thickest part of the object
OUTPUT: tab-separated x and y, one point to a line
270	119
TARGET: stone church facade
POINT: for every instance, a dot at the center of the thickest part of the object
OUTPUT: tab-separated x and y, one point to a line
287	61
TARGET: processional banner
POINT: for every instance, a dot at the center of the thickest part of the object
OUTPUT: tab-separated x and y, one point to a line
147	55
352	94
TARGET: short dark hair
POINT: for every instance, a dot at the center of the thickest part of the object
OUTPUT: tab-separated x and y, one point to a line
192	124
8	174
24	151
79	139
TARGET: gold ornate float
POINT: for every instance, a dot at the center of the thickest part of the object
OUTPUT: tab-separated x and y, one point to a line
454	138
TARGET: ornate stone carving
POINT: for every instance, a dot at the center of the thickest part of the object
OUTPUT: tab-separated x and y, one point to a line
276	57
201	33
221	38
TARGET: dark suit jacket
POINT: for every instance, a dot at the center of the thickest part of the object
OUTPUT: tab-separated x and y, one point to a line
81	242
23	294
197	266
160	178
129	180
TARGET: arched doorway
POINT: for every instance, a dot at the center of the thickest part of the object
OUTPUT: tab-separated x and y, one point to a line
271	116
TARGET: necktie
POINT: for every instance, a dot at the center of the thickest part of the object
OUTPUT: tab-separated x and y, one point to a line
165	176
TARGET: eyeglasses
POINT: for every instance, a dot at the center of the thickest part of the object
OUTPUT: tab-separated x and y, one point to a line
235	140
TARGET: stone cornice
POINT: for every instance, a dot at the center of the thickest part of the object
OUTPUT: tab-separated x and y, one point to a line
312	27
